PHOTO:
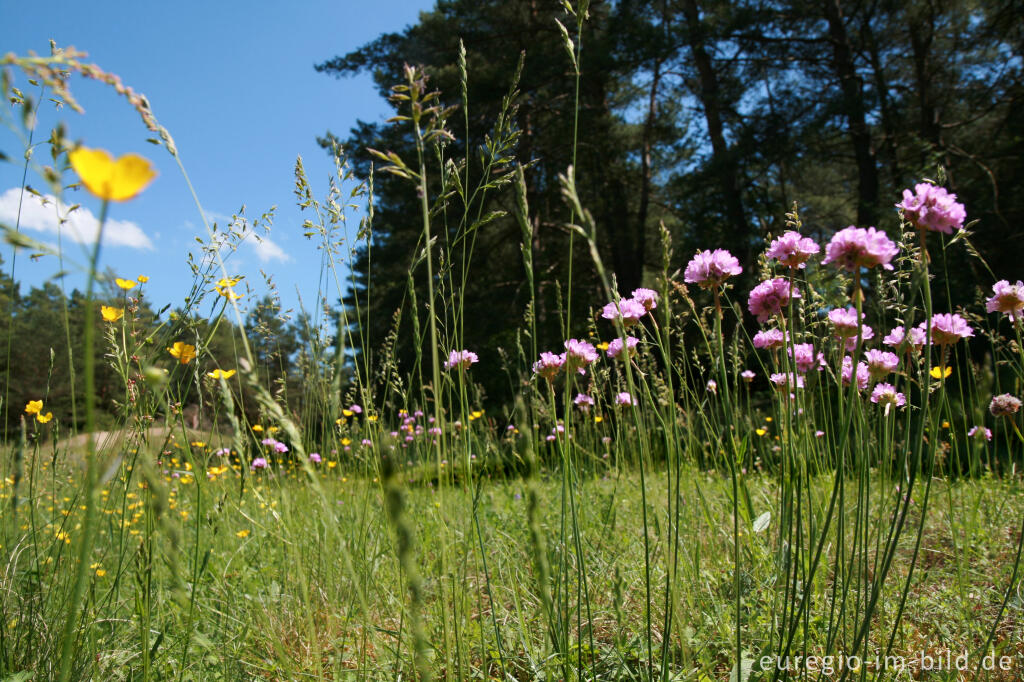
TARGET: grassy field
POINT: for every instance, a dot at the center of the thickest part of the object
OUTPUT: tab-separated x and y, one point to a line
673	497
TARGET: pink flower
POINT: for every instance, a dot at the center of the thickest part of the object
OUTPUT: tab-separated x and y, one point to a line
866	334
259	463
769	298
460	359
579	355
712	386
747	375
355	409
787	380
982	430
549	365
932	208
862	373
583	401
315	458
896	336
709	269
648	298
948	328
805	358
615	346
856	247
887	395
769	339
1008	299
792	249
1004	405
845	321
629	310
280	448
624	399
880	363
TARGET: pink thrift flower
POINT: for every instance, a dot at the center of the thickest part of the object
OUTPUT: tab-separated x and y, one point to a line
460	359
787	380
1004	405
615	346
769	339
549	365
856	247
648	298
579	355
932	208
806	359
987	433
862	373
355	409
887	395
624	399
895	338
948	328
880	363
845	321
792	249
712	386
280	448
629	310
583	401
747	375
1008	299
709	269
866	334
769	298
259	463
315	458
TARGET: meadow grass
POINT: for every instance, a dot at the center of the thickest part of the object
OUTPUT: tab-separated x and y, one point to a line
682	509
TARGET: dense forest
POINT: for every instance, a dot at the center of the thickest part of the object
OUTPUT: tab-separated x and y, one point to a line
709	118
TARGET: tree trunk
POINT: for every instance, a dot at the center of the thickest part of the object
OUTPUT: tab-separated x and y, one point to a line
853	105
723	161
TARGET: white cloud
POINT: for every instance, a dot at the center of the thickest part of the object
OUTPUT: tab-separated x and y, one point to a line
265	249
80	226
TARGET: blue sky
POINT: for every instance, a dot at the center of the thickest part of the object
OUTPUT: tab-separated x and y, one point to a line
234	84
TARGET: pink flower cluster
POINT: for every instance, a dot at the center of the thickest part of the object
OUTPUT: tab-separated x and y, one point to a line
710	269
932	208
768	298
857	247
630	310
1008	299
460	359
792	249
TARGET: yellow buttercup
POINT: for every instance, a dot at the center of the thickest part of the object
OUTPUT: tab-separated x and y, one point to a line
109	179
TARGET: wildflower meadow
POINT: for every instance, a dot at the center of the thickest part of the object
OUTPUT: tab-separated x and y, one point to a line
798	458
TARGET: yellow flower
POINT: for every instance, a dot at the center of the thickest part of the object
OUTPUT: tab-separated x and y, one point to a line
372	418
111	314
221	374
198	444
244	533
346	442
142	278
125	284
603	345
44	418
185	353
34	406
108	179
100	572
938	374
598	419
257	428
761	432
224	285
274	429
347	413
